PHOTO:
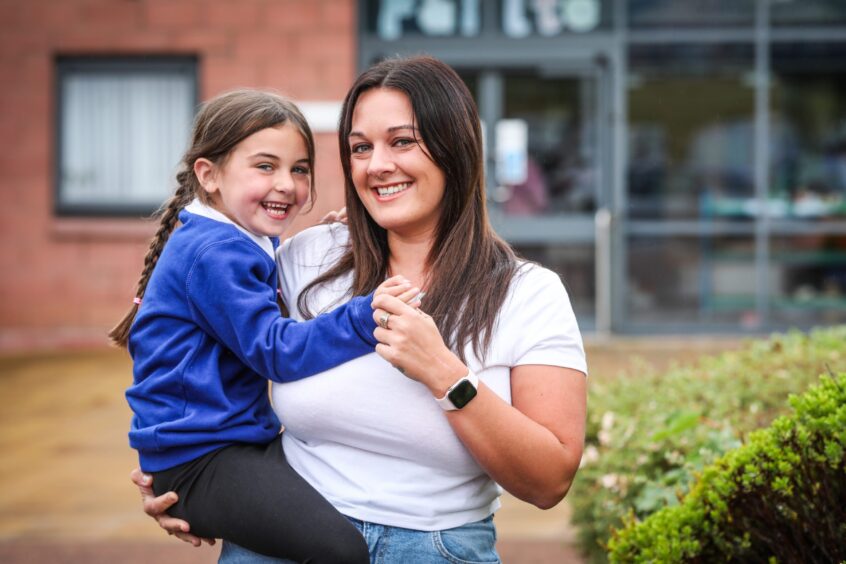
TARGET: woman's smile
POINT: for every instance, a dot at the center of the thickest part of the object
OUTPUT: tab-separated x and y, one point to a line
387	192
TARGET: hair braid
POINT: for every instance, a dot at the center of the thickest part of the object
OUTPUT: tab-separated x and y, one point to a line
169	215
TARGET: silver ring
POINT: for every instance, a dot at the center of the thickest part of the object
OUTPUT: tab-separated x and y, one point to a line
383	320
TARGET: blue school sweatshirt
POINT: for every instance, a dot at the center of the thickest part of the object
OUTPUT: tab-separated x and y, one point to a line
207	337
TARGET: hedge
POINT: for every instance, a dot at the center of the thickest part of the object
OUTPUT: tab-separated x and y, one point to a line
649	433
781	497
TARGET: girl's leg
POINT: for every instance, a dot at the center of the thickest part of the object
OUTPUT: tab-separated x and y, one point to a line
250	495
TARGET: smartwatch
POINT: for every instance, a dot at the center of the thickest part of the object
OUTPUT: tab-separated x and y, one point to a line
459	394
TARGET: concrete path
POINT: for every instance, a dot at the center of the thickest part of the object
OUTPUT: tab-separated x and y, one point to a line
65	496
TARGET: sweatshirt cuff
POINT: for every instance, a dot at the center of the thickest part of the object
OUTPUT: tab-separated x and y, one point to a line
362	312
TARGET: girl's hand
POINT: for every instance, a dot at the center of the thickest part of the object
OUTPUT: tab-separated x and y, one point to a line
335	216
399	287
156	508
410	340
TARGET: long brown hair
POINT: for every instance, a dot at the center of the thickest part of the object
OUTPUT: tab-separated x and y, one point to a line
221	123
470	267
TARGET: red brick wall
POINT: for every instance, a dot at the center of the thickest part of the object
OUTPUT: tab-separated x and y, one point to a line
64	282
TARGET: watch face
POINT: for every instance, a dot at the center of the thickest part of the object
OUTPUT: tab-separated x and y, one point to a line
462	394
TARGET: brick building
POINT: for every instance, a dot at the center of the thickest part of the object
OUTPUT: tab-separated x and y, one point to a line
66	276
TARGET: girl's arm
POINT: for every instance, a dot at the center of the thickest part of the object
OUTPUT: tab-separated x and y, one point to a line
231	299
532	448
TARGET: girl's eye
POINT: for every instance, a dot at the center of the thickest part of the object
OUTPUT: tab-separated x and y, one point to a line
301	170
267	167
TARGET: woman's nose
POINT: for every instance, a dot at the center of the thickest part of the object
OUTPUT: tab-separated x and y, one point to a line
380	162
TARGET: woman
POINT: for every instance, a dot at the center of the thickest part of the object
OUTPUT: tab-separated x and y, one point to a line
487	387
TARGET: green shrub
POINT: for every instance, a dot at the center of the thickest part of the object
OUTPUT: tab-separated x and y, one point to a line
649	433
781	497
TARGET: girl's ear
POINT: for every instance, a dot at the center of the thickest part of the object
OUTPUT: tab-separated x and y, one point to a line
206	173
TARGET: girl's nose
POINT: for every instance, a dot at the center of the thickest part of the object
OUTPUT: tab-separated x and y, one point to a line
284	184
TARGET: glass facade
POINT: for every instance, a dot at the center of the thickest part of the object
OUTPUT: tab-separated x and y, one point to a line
809	12
690	13
680	163
808	130
708	278
691	134
561	168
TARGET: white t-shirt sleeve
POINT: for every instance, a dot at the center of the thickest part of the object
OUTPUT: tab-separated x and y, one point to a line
538	322
288	277
303	257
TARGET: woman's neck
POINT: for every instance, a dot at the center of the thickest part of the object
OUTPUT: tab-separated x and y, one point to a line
407	256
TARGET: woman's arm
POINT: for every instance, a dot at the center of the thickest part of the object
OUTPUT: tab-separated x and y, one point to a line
531	448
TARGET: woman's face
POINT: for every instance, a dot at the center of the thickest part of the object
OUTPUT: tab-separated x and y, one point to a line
401	187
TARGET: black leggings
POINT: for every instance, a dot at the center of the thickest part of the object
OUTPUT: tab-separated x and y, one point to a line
250	495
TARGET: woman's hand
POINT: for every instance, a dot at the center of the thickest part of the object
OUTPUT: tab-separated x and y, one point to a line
410	340
156	507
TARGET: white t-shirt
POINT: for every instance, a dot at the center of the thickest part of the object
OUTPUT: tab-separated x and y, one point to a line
374	442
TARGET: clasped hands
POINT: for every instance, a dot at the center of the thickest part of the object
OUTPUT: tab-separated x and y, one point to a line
409	338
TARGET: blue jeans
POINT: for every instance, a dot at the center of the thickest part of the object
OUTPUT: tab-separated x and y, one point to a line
473	543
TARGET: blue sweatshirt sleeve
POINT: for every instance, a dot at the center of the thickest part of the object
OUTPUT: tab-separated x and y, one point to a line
230	291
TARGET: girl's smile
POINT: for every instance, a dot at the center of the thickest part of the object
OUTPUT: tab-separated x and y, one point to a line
276	210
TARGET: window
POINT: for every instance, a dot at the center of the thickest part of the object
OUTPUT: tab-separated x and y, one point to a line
673	14
691	115
808	129
123	124
809	12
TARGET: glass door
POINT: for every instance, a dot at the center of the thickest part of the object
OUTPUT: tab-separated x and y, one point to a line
545	200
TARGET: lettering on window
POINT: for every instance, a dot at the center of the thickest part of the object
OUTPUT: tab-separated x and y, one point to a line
520	18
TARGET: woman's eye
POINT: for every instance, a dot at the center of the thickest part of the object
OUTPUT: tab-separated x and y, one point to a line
360	148
267	167
403	142
301	170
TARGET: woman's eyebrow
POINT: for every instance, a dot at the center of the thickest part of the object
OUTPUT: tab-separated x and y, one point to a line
398	127
391	129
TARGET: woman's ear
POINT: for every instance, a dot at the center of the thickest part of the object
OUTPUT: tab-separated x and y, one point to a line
206	173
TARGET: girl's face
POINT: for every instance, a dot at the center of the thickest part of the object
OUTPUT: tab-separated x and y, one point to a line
264	182
401	187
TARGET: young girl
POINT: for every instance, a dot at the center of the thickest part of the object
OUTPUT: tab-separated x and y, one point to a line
206	332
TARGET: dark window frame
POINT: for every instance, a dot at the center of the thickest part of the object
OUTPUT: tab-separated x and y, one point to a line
127	65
